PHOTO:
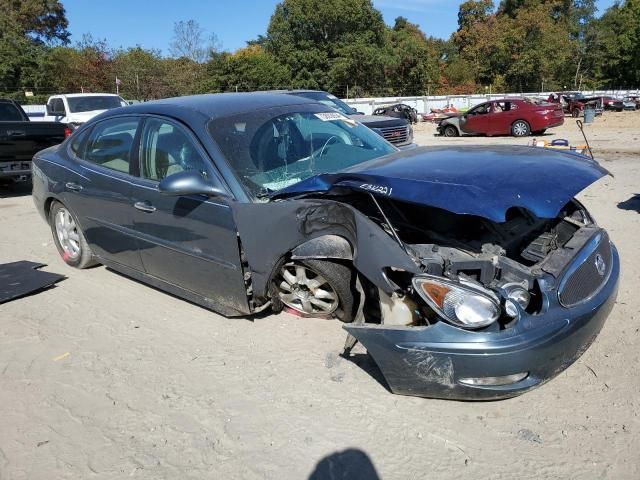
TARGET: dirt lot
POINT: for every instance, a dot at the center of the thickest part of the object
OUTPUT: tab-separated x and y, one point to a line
103	377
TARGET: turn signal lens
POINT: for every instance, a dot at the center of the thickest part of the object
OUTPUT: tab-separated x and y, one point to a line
465	305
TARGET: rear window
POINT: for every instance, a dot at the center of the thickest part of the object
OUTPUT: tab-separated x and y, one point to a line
9	113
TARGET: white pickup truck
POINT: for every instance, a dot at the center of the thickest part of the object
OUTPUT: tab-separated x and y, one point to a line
77	108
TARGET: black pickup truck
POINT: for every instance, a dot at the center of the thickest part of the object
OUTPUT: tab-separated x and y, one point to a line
20	139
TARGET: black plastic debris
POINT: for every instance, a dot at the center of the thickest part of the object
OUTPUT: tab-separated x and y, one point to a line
18	279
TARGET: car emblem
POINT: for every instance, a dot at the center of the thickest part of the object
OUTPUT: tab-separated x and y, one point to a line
601	266
396	134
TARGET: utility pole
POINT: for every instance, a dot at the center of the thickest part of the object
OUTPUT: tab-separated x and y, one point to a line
137	86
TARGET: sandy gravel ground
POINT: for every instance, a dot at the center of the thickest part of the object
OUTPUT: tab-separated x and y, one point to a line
102	377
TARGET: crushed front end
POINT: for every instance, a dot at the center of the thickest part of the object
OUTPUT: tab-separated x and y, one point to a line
493	309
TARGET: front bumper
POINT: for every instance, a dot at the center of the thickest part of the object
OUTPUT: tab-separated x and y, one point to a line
430	361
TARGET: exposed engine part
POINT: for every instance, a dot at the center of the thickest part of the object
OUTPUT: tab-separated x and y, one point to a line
398	310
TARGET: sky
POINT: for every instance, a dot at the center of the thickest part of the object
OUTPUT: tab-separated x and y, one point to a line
149	23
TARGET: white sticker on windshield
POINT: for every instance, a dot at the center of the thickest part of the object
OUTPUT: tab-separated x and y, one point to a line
331	116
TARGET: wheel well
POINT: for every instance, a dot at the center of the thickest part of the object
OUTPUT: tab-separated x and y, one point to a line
521	120
47	205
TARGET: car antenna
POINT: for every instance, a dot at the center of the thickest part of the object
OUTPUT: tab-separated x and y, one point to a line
584	135
394	234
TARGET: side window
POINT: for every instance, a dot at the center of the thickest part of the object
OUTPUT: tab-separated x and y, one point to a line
110	144
78	141
165	149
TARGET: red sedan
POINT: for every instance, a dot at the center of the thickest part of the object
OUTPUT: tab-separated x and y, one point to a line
517	117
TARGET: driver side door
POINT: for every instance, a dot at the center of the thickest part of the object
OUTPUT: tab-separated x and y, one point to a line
476	120
187	241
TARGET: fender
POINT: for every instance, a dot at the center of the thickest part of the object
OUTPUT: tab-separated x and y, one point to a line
325	246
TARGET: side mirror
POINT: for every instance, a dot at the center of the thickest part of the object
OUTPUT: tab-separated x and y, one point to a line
190	183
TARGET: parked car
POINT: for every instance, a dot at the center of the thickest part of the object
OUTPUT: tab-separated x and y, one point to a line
399	110
77	108
468	273
628	103
574	103
397	131
517	117
20	139
611	103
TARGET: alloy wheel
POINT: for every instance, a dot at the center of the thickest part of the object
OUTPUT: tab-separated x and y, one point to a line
67	233
520	129
306	291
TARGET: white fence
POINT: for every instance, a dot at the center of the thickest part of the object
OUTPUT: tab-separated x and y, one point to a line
425	104
422	104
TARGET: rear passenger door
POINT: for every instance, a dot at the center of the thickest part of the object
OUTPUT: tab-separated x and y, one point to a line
99	191
188	241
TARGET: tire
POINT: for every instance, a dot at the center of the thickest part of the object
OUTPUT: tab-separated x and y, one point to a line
68	237
451	131
298	283
540	132
520	128
575	113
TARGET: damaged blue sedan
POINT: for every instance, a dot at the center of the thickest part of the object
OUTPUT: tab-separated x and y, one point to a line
467	273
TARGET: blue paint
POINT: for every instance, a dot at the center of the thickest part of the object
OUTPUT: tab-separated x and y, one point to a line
482	181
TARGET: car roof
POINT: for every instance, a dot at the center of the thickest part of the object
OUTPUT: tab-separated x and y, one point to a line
73	95
211	106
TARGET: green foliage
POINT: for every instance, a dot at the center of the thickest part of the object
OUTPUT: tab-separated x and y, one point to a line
342	46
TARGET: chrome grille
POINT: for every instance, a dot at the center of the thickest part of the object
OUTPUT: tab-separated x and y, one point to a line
583	281
395	134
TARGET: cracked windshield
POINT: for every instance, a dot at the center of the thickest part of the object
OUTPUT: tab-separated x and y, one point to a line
275	148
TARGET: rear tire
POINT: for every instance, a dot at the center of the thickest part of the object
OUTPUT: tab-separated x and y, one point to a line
575	113
520	128
316	288
451	131
69	239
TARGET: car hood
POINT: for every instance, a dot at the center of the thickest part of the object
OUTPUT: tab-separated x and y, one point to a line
482	181
379	121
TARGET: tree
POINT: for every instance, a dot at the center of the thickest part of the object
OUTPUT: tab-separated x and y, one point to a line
190	41
312	36
26	29
250	68
618	39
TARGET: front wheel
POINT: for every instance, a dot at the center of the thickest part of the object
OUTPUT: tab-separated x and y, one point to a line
68	237
520	129
451	131
316	288
575	113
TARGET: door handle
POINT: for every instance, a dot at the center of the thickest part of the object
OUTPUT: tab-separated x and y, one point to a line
74	187
17	133
144	207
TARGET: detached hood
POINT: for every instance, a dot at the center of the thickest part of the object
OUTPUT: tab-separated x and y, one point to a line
482	181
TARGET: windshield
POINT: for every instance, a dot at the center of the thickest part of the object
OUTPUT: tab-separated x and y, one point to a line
328	100
274	148
88	104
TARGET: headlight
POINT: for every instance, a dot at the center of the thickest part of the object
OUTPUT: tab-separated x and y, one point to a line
463	304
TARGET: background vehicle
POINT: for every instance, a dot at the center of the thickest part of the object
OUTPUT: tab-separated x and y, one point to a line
630	104
20	139
397	131
399	110
467	273
611	103
77	108
573	103
517	117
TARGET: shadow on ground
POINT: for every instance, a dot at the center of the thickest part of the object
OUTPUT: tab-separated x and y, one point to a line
15	190
366	363
351	464
632	204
